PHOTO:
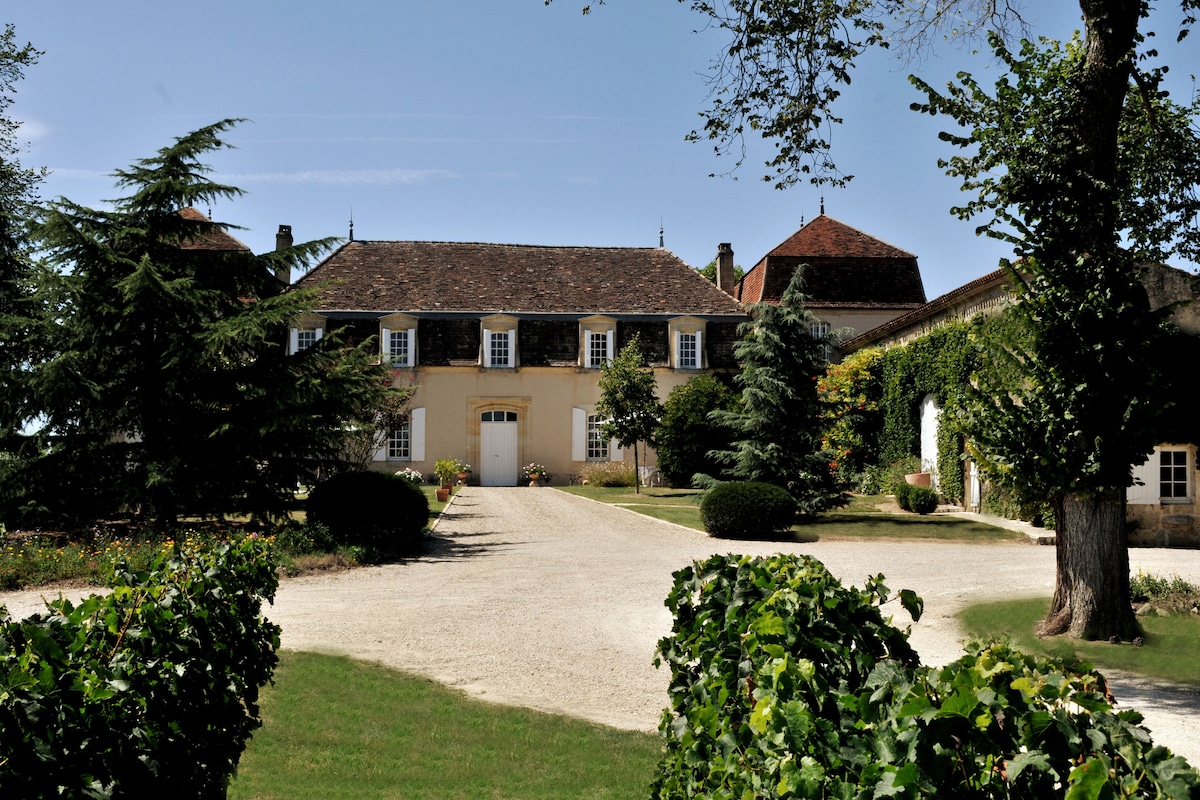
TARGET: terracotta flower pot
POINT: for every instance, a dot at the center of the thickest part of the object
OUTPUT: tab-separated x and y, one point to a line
442	495
918	479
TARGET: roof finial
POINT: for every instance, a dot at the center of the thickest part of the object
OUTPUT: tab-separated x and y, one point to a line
660	230
801	220
352	223
822	205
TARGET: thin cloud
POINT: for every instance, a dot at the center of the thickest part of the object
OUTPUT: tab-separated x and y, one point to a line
344	177
80	174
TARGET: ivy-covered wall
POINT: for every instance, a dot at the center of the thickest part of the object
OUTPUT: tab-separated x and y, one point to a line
938	364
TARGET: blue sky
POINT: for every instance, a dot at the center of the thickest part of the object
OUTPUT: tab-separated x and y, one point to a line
482	120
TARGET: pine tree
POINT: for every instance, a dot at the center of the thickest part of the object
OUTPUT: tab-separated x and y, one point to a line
777	432
170	392
20	339
628	401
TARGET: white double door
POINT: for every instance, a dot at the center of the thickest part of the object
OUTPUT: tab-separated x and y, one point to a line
498	453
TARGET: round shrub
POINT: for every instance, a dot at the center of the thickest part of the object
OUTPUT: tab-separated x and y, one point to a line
370	509
904	492
922	500
747	510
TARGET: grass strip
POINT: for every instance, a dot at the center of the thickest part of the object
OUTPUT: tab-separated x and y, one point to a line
339	728
860	520
1171	648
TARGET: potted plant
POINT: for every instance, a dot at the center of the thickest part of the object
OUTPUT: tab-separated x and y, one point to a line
446	469
412	476
535	474
464	472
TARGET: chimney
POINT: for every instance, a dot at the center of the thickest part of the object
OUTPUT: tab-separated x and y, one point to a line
725	268
283	241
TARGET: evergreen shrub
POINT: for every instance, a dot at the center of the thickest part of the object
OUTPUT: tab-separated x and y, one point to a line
376	510
747	510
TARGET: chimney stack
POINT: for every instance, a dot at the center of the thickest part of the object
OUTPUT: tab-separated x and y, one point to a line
725	268
283	241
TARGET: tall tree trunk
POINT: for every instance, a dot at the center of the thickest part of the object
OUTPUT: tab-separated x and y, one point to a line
1091	592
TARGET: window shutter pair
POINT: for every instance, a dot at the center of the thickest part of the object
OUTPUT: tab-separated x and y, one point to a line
699	350
385	348
294	340
579	438
416	437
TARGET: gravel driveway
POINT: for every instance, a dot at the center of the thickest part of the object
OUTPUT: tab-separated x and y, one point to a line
547	600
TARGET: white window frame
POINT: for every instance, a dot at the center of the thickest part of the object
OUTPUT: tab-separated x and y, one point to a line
592	357
497	343
579	438
416	440
820	330
696	360
294	345
597	442
399	442
392	351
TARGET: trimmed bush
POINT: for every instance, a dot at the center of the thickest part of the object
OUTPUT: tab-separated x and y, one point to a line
922	500
371	509
917	499
747	510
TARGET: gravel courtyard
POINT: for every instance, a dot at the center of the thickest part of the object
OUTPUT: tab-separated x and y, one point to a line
543	599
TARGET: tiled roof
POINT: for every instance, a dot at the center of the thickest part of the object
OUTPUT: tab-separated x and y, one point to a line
214	239
826	237
984	285
845	267
469	277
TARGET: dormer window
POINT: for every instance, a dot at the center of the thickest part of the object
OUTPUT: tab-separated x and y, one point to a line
304	338
499	343
687	351
398	340
687	343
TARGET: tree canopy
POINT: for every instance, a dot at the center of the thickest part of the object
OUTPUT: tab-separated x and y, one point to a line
20	339
169	391
777	431
628	402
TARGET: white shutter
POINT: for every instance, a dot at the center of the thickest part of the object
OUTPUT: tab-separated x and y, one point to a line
412	347
294	342
487	347
381	453
610	337
320	333
1147	475
615	453
675	350
416	441
579	434
385	344
699	351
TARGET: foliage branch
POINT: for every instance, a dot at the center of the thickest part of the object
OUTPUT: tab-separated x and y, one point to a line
784	684
148	691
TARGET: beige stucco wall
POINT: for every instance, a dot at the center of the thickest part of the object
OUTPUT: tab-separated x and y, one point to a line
543	397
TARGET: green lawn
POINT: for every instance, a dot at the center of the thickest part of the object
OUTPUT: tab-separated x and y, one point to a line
860	520
1171	649
338	728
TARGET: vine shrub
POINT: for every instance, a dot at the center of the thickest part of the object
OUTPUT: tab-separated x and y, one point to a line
767	659
608	473
784	683
851	416
149	691
747	510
